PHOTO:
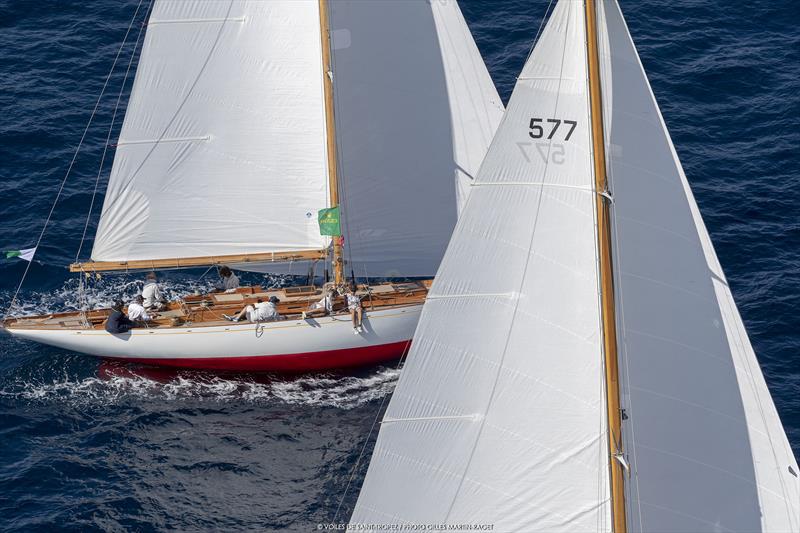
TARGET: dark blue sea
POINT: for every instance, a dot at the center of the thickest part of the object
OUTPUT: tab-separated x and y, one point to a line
88	448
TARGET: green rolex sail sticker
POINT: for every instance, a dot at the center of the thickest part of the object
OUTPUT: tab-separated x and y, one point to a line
26	254
329	222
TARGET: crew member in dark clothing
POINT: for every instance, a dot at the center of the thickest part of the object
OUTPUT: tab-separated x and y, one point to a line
118	322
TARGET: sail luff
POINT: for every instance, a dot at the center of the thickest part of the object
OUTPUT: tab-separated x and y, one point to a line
330	127
608	315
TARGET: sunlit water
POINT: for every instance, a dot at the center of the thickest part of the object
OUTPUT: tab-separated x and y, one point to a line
92	446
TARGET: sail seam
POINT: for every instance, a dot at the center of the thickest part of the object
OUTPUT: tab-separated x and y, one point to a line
473	417
533	183
671	286
472	295
194	21
711	467
523	78
166	140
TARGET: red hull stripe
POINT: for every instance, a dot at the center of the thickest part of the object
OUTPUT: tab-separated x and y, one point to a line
298	362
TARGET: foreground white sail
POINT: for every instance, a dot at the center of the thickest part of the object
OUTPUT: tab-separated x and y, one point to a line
500	413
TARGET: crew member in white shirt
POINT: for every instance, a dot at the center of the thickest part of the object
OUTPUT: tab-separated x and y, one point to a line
322	307
137	312
228	281
262	312
151	293
354	306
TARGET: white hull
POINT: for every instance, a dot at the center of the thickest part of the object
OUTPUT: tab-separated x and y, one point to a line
289	345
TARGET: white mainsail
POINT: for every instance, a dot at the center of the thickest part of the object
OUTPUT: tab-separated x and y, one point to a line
406	129
223	148
699	414
499	415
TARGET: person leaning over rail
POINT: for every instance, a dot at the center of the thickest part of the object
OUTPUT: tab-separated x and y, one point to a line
118	321
228	281
262	312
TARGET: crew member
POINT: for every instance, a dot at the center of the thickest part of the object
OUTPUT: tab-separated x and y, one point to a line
228	281
355	308
151	293
117	321
262	312
137	312
322	307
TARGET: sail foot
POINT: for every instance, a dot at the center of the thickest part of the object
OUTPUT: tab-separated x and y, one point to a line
201	261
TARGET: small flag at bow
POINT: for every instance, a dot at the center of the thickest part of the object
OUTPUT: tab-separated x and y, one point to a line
329	222
26	254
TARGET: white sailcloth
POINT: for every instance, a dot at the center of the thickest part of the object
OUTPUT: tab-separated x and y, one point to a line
223	146
499	415
475	106
706	446
414	116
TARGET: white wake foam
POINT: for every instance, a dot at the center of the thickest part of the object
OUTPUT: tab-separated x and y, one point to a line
343	392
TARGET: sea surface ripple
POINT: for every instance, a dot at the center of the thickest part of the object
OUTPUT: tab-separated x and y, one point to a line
88	446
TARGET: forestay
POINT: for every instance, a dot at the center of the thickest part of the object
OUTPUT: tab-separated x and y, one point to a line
499	414
706	446
415	110
223	146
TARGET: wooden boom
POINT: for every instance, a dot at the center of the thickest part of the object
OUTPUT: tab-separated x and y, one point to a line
606	278
184	262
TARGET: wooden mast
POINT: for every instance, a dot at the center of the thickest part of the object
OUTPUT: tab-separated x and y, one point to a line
333	186
606	277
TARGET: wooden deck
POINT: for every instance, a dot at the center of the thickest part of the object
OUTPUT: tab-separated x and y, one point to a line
199	310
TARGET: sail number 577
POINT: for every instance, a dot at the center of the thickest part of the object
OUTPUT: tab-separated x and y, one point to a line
538	126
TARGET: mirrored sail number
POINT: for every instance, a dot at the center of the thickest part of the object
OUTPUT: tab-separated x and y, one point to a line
553	152
537	127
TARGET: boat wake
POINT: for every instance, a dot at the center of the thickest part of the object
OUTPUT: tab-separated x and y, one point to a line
116	385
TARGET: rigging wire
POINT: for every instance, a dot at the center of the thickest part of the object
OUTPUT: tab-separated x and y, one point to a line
74	158
366	439
111	127
539	31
